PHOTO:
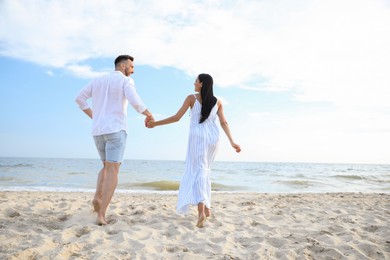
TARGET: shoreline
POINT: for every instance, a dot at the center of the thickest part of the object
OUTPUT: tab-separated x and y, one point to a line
174	192
242	226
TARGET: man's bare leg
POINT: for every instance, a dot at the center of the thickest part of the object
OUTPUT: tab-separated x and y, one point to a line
109	186
97	199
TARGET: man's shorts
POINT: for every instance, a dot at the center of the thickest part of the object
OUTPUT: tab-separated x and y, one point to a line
111	147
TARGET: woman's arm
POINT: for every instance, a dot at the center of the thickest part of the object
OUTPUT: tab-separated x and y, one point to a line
186	104
225	127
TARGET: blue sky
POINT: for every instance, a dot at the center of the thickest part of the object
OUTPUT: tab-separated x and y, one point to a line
302	82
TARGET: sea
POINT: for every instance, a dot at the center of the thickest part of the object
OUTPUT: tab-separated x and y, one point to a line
153	176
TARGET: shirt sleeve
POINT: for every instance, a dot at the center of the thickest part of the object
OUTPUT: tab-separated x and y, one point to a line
84	94
132	96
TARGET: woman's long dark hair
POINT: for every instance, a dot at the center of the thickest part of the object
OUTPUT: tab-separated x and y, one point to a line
208	99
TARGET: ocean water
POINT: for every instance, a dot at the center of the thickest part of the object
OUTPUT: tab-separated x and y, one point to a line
48	174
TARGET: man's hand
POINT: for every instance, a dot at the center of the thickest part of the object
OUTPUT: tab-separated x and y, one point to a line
88	112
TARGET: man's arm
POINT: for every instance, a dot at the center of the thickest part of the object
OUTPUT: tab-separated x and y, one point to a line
88	112
81	100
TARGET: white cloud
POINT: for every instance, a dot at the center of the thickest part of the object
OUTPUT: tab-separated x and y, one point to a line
84	71
259	115
336	51
337	135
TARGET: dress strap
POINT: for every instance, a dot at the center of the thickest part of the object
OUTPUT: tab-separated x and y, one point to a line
195	98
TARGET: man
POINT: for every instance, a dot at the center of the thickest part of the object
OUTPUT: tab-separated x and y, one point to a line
110	96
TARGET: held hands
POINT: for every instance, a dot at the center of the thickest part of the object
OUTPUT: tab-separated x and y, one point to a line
149	122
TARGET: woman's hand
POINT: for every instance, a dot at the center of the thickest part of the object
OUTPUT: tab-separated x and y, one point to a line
236	147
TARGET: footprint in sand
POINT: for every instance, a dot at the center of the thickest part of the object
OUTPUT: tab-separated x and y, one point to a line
12	213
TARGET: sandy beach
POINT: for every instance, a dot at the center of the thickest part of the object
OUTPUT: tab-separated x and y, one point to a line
53	225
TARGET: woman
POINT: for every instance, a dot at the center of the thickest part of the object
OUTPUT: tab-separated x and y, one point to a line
195	186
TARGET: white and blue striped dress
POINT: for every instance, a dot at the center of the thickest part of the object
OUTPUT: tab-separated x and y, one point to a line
195	186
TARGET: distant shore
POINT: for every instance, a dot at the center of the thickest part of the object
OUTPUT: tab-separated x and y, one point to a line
55	225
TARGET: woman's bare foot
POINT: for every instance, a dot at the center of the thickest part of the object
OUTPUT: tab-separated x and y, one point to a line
96	205
201	221
101	221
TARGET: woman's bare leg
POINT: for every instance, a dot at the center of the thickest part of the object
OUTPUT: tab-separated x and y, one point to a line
207	212
201	215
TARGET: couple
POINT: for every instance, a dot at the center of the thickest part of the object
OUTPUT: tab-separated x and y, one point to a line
111	94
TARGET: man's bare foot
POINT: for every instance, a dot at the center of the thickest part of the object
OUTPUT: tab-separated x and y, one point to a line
96	205
201	221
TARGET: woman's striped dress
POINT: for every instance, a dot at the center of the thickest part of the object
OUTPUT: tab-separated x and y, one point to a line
195	185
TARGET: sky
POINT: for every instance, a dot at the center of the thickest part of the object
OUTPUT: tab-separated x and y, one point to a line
300	81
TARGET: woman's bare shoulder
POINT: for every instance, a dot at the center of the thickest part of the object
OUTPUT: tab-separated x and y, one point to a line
190	99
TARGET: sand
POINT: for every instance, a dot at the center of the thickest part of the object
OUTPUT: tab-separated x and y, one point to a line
48	225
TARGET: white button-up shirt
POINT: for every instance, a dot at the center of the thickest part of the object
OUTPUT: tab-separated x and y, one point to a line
110	96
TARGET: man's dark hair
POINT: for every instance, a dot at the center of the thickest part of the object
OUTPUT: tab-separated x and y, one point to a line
122	58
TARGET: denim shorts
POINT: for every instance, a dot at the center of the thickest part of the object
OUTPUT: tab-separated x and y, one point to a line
111	147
